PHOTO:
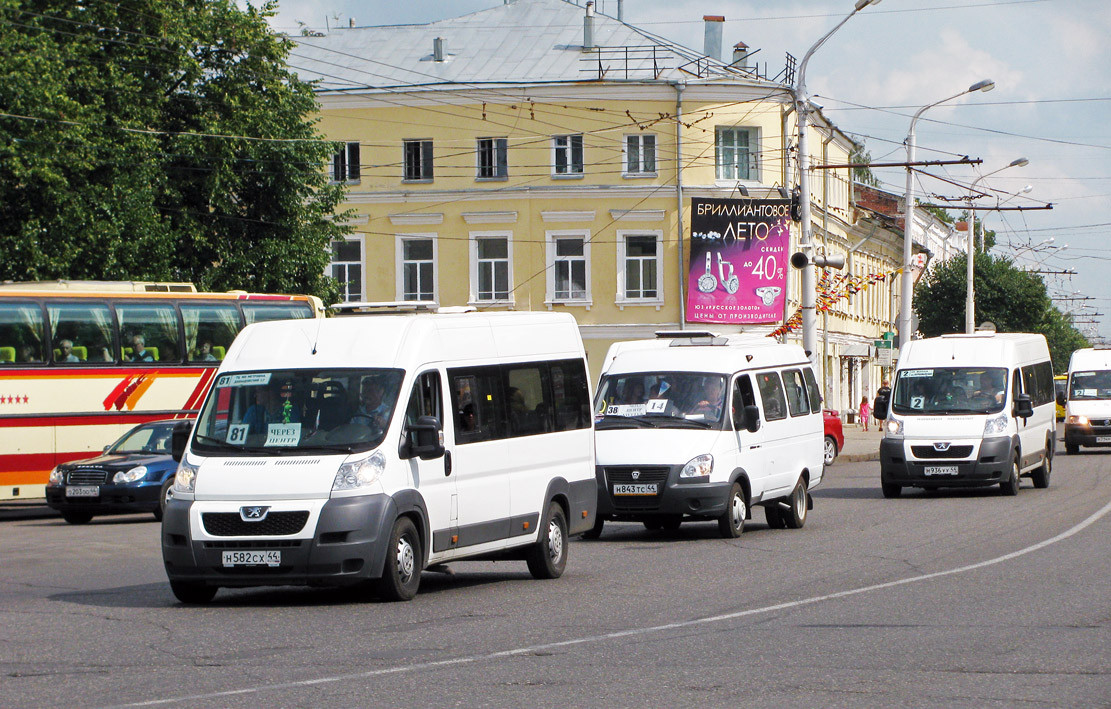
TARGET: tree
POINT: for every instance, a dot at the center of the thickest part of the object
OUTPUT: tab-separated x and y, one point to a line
863	175
1013	299
160	140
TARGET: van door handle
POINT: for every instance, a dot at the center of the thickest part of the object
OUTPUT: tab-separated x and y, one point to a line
752	448
447	463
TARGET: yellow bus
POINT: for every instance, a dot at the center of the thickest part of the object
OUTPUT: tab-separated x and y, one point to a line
81	362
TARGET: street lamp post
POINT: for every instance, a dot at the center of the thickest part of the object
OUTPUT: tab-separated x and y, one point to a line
809	295
970	297
907	285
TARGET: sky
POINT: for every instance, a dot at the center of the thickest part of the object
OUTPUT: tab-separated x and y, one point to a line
1050	60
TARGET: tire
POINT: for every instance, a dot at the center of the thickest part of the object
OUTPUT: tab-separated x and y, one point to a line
1009	487
401	575
774	516
163	498
732	521
795	517
653	525
1072	448
595	531
672	522
830	453
548	556
891	490
1040	477
192	593
75	517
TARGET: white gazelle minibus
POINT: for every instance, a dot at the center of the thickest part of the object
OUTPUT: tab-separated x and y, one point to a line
370	447
1088	401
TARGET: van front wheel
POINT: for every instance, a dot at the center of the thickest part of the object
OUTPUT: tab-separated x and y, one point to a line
548	556
732	521
401	575
1009	487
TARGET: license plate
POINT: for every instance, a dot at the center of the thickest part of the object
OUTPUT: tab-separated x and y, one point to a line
941	470
1103	439
252	558
83	491
638	489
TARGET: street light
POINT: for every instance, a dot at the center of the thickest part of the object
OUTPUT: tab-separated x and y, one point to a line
802	108
907	290
970	296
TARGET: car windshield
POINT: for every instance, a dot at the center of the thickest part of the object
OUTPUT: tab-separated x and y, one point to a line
661	400
950	390
300	410
153	439
1090	385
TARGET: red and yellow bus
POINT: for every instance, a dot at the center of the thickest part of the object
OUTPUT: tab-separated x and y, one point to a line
83	361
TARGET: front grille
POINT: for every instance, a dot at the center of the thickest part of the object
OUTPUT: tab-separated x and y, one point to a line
251	544
929	452
276	524
87	476
624	474
1100	422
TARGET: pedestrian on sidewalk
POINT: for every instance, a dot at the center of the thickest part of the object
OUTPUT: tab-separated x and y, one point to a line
865	409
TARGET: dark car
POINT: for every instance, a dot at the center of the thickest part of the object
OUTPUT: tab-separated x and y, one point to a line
134	474
835	439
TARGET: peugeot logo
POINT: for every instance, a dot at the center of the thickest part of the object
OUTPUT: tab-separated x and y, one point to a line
941	446
636	475
253	514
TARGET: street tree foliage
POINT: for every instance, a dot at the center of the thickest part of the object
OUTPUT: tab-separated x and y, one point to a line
863	175
159	140
1013	299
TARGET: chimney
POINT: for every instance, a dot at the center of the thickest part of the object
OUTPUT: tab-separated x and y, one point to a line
438	49
740	55
588	27
620	10
712	44
351	22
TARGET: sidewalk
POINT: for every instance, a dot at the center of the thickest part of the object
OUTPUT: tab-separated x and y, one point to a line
860	445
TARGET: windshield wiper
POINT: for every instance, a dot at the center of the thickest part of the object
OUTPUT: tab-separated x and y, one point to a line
215	442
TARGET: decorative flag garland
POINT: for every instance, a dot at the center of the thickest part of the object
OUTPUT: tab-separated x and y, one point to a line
830	290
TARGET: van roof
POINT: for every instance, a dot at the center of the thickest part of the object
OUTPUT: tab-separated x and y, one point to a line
977	349
1090	358
403	341
700	354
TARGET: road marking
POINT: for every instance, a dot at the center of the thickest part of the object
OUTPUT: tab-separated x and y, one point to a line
433	664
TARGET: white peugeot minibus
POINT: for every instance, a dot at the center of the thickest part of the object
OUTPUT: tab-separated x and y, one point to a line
1088	404
370	447
969	411
692	426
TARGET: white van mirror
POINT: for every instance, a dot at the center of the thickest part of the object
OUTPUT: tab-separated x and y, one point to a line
423	439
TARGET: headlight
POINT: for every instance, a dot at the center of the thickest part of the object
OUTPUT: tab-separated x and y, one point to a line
186	478
893	427
1077	420
130	476
57	477
354	474
698	467
995	425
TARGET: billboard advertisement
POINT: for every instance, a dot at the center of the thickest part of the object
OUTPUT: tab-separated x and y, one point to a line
739	256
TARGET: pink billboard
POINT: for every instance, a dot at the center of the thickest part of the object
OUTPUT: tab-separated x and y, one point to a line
739	251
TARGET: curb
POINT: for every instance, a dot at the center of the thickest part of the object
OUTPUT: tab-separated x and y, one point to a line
858	457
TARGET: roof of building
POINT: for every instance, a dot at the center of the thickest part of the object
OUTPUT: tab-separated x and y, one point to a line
521	42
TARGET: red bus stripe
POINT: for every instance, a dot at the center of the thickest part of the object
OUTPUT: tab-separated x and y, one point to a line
97	419
194	400
114	395
133	398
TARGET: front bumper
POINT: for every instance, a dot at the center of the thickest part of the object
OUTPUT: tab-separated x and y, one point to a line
990	466
1087	435
113	498
698	499
347	546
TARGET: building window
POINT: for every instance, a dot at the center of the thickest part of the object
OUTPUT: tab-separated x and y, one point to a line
345	163
418	159
491	273
417	268
640	154
736	151
493	158
346	266
568	261
568	154
639	266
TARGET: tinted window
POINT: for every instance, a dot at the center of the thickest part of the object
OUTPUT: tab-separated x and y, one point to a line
478	402
570	395
527	396
796	392
425	400
149	333
21	333
812	388
257	312
209	330
771	393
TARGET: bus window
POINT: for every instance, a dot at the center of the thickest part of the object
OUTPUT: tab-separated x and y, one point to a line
209	330
149	332
80	332
21	330
259	312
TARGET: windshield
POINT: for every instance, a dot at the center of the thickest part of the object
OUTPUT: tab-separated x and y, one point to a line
301	410
1090	385
152	439
950	390
661	399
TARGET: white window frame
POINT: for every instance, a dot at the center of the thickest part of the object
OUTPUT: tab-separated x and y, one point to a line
569	147
753	154
475	297
399	266
425	144
344	295
622	256
499	146
550	239
640	140
342	160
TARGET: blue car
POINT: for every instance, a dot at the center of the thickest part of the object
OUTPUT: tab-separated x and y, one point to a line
134	474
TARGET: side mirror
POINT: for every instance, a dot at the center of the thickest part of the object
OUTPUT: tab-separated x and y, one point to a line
177	443
879	406
751	418
1061	398
424	439
1024	407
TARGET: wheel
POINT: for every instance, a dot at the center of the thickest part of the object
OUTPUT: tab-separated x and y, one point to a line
672	522
1040	477
548	557
192	593
1072	448
891	489
830	453
74	517
795	517
595	531
653	525
164	497
732	521
774	517
1010	486
401	576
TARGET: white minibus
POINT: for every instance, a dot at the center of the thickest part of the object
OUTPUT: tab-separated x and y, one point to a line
1088	400
968	411
693	426
370	447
